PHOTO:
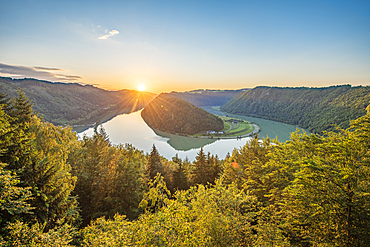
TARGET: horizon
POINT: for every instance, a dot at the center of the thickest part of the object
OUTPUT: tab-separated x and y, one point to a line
186	91
174	46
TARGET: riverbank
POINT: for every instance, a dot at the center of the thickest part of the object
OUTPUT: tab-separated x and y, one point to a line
237	129
254	131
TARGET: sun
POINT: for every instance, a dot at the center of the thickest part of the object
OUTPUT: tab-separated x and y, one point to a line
141	87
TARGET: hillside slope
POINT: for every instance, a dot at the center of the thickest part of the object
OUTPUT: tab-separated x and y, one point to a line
72	103
176	116
315	109
207	97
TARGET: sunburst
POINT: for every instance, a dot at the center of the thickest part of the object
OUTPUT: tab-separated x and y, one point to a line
141	87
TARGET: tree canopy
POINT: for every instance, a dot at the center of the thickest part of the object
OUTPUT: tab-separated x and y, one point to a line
176	116
315	109
58	190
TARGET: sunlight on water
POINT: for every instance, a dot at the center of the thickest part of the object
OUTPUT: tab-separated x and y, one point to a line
131	128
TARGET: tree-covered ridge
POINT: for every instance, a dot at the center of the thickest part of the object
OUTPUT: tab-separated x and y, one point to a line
315	109
176	116
72	103
207	97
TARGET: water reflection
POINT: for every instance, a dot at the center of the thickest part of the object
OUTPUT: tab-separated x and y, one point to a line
268	128
183	143
131	128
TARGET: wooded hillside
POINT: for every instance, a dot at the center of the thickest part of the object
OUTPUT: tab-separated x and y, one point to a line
315	109
176	116
58	190
72	103
207	97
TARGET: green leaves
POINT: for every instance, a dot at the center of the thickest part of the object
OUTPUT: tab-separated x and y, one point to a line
22	234
326	197
110	178
110	233
13	199
157	196
311	190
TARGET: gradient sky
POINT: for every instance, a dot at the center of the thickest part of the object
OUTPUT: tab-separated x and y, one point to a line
185	45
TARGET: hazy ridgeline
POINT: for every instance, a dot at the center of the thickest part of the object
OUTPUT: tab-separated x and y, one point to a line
55	190
207	97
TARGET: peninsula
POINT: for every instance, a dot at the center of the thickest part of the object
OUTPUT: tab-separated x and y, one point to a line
176	116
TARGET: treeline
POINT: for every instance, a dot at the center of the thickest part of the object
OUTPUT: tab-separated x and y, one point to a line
56	190
72	103
207	97
176	116
315	109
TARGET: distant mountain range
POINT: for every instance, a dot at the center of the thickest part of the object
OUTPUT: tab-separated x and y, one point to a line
176	116
75	104
315	109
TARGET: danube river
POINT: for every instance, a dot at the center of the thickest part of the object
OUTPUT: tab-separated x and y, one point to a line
131	128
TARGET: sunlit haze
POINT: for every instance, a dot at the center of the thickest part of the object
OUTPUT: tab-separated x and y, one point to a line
186	45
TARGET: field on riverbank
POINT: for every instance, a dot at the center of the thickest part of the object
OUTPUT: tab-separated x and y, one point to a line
233	128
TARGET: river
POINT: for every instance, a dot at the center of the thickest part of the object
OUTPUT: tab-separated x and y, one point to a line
131	128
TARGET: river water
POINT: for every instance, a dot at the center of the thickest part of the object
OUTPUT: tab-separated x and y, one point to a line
131	128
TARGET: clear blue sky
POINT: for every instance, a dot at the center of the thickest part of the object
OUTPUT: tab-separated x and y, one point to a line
184	45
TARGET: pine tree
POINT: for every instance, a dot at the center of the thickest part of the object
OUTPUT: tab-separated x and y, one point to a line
201	171
21	108
179	175
18	151
37	153
214	167
88	162
49	174
103	134
158	195
14	199
154	165
4	100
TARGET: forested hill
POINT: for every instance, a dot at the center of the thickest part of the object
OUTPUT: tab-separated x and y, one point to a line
176	116
59	190
315	109
207	97
72	103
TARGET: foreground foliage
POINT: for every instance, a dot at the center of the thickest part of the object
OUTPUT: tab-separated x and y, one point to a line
201	216
57	190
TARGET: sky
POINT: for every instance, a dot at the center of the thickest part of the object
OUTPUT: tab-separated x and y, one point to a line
185	45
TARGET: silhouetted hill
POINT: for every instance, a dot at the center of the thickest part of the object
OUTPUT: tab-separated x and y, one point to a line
72	103
207	97
315	109
176	116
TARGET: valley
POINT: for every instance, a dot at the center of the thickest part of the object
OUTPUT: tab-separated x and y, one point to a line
198	165
73	104
314	109
185	123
